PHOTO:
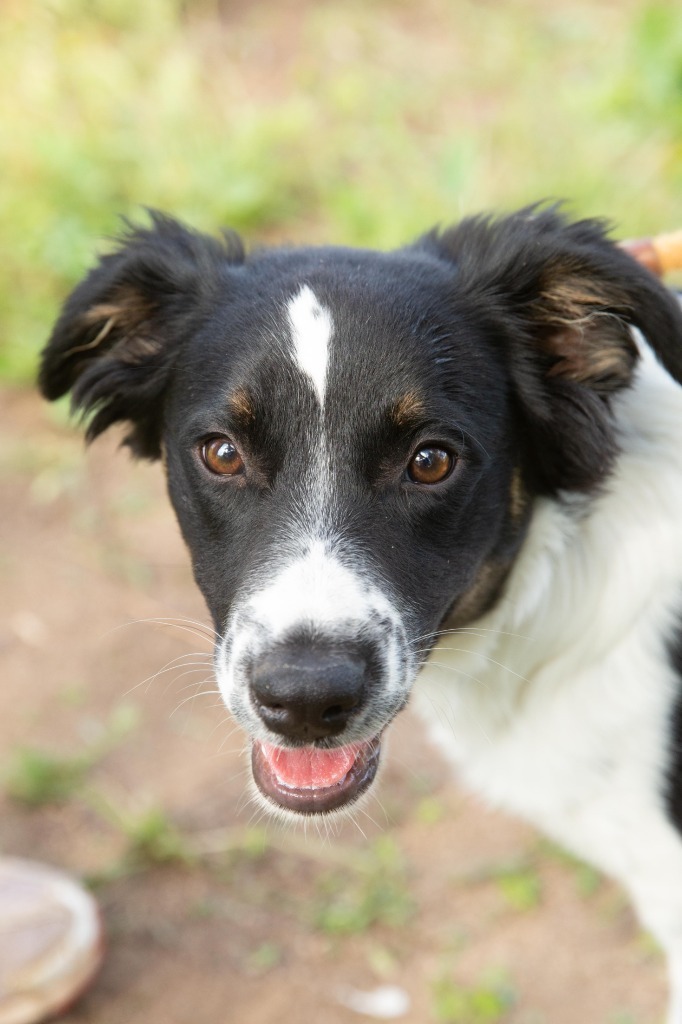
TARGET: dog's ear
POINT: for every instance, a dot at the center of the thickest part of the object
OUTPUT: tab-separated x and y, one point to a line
563	300
115	342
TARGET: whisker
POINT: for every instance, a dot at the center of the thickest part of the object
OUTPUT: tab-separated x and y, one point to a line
175	663
479	654
193	696
191	670
198	629
460	672
234	727
200	668
443	712
358	826
363	810
179	620
449	721
469	631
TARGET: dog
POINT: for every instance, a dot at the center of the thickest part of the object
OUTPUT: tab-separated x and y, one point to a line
460	460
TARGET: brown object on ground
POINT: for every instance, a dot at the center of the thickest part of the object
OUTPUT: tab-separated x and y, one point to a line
661	254
50	941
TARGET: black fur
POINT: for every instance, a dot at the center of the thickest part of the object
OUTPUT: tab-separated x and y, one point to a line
494	323
163	281
519	271
508	277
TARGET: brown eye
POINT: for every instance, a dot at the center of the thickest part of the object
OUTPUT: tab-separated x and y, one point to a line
430	466
221	457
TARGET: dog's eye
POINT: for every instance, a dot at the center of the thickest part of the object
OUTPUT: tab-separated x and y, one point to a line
221	457
430	465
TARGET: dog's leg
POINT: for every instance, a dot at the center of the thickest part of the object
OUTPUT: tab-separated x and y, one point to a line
628	836
675	981
653	876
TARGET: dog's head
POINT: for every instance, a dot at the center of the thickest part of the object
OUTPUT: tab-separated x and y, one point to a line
353	442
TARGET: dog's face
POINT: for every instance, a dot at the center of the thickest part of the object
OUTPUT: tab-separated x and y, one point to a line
353	442
339	488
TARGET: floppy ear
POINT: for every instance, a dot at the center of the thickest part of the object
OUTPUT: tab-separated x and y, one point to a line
562	299
115	343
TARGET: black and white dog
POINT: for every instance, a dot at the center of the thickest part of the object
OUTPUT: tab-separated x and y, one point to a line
463	447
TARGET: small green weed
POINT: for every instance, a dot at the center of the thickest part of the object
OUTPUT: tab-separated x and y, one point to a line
375	893
35	778
484	1003
152	838
232	847
518	881
521	887
382	961
430	810
588	880
648	946
254	842
266	957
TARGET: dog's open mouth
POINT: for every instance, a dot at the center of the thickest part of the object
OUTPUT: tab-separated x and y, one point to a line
312	780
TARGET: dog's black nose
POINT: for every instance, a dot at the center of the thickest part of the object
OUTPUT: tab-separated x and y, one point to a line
307	693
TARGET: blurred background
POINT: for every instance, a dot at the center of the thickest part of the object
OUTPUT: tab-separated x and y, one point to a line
361	122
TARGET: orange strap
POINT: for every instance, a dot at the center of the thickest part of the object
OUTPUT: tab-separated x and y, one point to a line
660	254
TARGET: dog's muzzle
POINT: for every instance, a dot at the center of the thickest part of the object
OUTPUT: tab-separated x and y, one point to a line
308	696
314	666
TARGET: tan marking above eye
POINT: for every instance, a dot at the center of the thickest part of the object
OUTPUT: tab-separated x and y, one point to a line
430	465
221	457
408	408
241	405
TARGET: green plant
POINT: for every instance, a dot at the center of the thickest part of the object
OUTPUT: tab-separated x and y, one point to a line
376	124
588	880
154	839
518	880
430	810
374	892
484	1003
151	836
36	778
520	886
265	957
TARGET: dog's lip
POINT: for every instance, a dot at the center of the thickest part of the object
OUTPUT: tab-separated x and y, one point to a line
312	780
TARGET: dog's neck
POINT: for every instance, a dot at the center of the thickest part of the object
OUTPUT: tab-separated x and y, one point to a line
576	588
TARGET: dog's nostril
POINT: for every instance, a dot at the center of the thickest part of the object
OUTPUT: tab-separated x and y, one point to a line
334	712
308	693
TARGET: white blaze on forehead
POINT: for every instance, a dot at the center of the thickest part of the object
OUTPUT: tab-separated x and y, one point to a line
311	331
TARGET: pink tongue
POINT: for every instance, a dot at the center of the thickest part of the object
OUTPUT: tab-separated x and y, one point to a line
308	767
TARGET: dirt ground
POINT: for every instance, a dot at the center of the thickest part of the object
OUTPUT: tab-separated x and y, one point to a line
212	916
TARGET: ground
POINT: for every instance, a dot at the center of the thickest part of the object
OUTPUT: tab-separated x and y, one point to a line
119	764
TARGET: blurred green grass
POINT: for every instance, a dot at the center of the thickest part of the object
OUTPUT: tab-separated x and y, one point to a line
354	121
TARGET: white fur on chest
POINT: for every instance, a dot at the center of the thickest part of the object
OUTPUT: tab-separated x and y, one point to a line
556	704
